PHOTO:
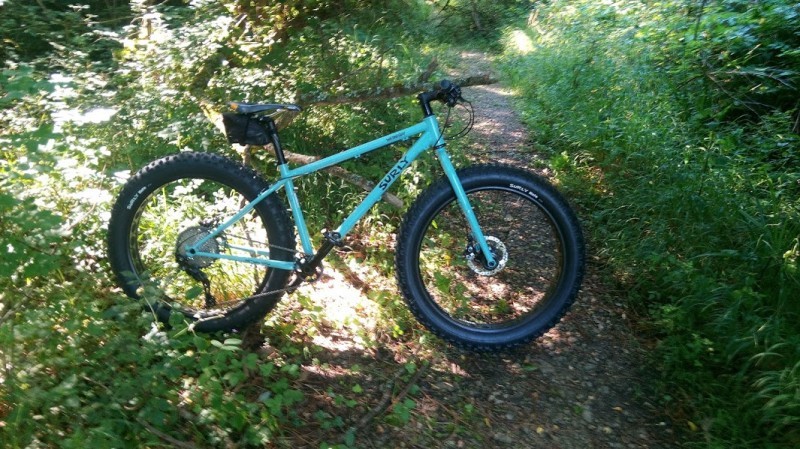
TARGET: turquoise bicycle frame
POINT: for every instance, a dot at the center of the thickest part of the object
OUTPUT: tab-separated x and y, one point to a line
429	136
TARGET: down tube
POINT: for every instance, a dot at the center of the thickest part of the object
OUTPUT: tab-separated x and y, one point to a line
424	142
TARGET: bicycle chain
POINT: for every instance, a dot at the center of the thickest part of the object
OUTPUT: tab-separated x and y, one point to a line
300	278
292	284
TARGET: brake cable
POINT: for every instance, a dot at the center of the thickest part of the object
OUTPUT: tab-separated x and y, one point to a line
470	122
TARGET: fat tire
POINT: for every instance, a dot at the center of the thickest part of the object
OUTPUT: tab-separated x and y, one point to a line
489	338
215	168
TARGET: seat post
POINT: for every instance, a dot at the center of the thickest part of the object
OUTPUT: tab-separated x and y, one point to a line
272	129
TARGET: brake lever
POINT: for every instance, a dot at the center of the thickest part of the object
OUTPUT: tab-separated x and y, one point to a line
453	94
450	93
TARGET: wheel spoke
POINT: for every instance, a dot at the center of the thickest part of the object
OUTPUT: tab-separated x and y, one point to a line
173	205
479	295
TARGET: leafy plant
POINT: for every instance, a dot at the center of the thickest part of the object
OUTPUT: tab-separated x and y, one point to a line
688	187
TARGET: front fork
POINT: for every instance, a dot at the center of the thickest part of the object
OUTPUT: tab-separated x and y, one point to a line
461	196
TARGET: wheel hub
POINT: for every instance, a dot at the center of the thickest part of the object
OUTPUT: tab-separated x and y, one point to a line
189	237
477	263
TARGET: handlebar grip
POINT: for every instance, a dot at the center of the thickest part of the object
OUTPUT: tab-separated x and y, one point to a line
445	91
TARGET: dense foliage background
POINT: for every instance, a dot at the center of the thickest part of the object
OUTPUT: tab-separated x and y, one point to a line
673	125
677	125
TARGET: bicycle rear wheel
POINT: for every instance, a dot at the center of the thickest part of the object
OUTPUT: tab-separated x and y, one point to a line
531	231
178	200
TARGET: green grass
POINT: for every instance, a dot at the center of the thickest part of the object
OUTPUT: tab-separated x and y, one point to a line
697	218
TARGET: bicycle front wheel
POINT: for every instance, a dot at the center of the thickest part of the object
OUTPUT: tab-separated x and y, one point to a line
177	201
532	233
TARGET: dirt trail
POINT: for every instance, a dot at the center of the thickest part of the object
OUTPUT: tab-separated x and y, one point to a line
581	385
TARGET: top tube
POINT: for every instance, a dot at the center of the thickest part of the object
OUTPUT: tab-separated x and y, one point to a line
429	128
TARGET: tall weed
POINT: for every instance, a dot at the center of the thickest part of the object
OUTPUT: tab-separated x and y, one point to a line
698	218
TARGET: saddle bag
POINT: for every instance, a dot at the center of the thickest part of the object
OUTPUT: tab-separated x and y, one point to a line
244	129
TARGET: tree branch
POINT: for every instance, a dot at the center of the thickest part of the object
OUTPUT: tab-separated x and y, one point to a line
213	62
339	172
387	401
385	93
173	441
475	16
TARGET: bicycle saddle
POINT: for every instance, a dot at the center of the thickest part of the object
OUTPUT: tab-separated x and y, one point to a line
252	108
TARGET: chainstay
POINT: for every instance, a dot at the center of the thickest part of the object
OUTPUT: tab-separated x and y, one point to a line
292	285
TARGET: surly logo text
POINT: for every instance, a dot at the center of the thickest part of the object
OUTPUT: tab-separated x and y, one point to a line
392	175
523	190
136	196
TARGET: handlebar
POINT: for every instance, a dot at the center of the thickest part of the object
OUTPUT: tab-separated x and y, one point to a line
445	91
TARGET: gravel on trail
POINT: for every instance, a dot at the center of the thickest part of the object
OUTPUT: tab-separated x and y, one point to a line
582	385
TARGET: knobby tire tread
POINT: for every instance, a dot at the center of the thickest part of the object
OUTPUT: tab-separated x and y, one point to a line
417	218
218	168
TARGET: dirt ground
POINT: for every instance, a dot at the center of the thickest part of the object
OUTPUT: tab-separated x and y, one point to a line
582	385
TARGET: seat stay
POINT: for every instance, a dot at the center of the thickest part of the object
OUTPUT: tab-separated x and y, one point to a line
194	249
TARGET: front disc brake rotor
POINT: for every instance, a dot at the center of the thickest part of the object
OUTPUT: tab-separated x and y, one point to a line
475	262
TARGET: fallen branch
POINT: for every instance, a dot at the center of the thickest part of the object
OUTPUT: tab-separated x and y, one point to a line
385	93
387	401
173	441
169	439
796	127
352	178
220	433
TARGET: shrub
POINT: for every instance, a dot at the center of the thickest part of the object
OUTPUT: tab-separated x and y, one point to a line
693	209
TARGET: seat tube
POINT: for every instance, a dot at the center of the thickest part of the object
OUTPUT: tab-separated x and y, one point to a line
297	213
466	207
276	142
